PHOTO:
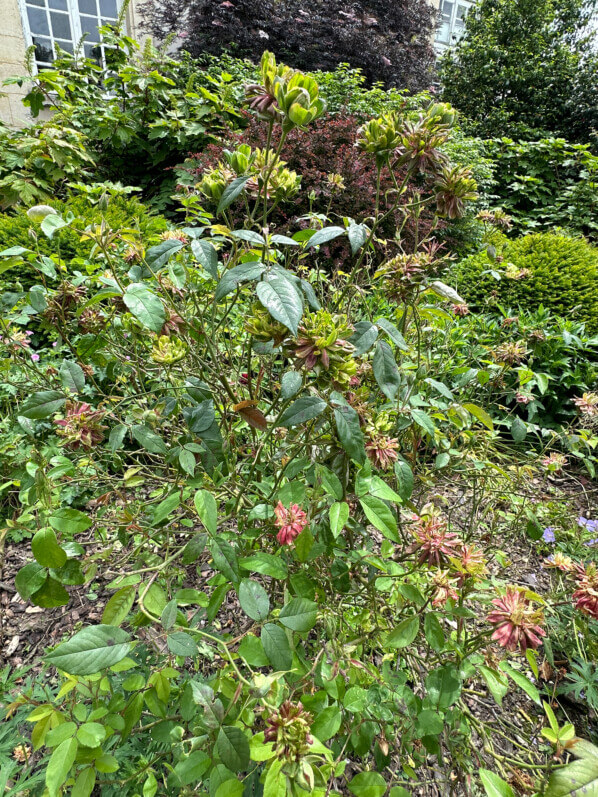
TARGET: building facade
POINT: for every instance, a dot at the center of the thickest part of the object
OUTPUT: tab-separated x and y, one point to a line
46	24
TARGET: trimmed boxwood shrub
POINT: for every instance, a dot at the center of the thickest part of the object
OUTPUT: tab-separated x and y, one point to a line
551	270
122	212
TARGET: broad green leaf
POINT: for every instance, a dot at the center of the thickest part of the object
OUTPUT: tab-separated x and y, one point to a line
299	614
494	785
282	300
252	651
148	439
159	255
327	723
518	430
330	481
265	563
84	785
522	681
29	579
364	337
46	550
230	193
357	235
254	600
166	508
145	306
349	432
72	376
302	410
50	594
355	700
191	769
61	760
69	521
423	420
444	686
368	784
206	255
404	633
392	332
579	777
231	279
91	650
290	384
119	606
404	476
324	235
276	646
43	404
181	644
339	514
207	509
91	734
385	370
380	516
481	415
433	631
225	559
497	682
233	748
51	223
250	236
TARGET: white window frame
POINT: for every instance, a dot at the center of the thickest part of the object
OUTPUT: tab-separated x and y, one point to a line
452	38
74	16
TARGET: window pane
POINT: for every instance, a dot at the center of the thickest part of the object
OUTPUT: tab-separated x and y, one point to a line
59	4
93	51
61	26
108	8
90	25
88	7
68	46
43	49
38	21
36	3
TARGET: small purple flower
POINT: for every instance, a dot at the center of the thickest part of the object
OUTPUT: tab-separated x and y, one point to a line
590	525
591	542
35	357
28	332
548	535
55	344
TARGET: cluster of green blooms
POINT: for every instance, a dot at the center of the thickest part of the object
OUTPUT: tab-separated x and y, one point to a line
323	347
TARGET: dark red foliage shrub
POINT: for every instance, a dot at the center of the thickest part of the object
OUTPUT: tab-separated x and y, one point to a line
389	40
328	148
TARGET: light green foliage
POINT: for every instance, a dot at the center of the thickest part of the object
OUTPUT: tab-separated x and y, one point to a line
549	269
546	183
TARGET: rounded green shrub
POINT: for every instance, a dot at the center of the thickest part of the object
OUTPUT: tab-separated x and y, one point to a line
551	270
122	212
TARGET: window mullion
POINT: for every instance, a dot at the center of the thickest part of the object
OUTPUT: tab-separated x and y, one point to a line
75	21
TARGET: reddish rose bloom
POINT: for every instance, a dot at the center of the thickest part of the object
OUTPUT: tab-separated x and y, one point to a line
460	309
586	594
445	588
434	543
382	451
291	522
516	621
82	425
